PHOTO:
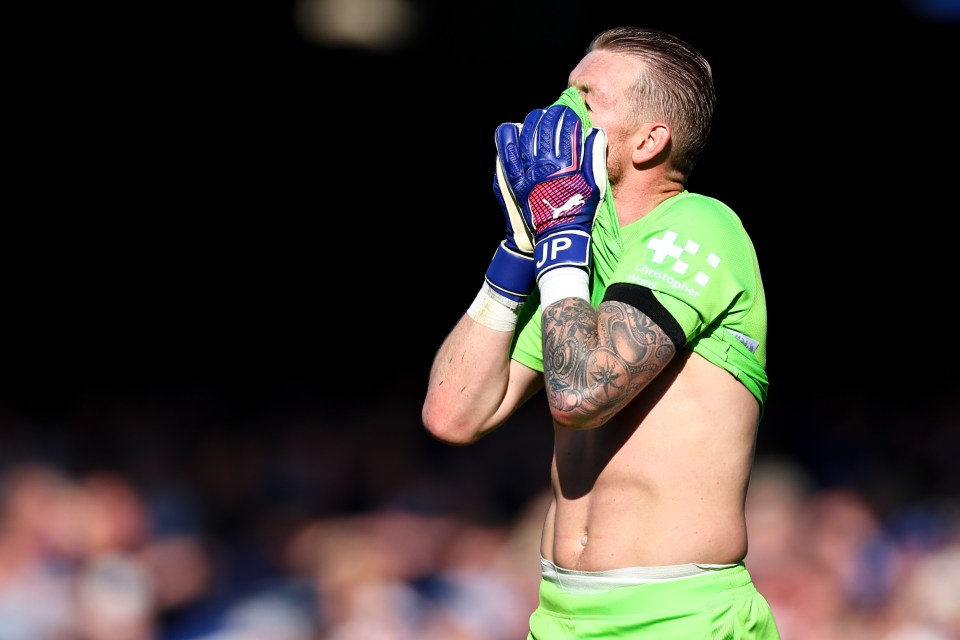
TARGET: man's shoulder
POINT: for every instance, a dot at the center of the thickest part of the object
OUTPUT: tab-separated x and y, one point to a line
687	213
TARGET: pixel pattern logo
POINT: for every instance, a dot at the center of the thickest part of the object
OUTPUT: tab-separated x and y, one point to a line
666	247
676	259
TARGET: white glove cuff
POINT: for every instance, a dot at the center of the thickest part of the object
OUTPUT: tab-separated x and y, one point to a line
563	282
493	310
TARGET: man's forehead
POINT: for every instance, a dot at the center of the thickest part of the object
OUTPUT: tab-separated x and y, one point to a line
605	72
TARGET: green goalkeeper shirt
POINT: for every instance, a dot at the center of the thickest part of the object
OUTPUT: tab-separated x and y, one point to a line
694	254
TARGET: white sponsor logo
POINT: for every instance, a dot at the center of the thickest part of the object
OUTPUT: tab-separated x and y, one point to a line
675	260
574	201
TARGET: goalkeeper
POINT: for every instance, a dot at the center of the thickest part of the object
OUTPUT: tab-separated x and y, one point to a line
638	308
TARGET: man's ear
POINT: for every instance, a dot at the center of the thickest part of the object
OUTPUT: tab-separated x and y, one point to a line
651	139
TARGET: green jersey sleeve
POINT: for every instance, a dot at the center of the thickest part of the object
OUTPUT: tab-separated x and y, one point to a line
694	254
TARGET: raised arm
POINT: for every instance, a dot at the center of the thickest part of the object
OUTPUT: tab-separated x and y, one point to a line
595	360
474	386
598	360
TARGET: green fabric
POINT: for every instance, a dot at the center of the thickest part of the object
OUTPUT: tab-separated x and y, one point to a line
606	226
719	605
693	252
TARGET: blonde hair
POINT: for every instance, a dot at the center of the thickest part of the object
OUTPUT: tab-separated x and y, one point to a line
676	85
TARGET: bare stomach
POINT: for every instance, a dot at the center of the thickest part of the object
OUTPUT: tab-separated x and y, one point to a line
662	483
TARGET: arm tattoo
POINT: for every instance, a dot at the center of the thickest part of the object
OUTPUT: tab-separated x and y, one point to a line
596	361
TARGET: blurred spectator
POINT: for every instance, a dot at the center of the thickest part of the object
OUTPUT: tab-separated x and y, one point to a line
35	574
283	527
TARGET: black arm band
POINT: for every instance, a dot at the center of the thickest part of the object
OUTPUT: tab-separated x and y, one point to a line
643	300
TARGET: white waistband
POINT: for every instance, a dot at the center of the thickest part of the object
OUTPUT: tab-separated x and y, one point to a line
572	581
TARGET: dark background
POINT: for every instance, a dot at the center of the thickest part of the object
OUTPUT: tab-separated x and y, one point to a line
211	205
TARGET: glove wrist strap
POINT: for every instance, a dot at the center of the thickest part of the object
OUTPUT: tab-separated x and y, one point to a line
563	282
511	274
569	248
493	310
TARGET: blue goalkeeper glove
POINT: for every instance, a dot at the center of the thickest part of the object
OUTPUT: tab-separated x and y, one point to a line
511	272
559	178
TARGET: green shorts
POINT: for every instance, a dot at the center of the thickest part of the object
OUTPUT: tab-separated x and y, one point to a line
717	605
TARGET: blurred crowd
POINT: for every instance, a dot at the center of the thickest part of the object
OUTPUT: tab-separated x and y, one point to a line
176	518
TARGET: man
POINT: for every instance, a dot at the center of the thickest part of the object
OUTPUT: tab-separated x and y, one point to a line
639	307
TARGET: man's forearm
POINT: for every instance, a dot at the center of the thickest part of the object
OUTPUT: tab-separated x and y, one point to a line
468	382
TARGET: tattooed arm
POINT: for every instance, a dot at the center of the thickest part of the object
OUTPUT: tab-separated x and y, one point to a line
597	360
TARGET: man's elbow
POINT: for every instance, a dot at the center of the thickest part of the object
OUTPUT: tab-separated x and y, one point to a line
565	419
446	428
